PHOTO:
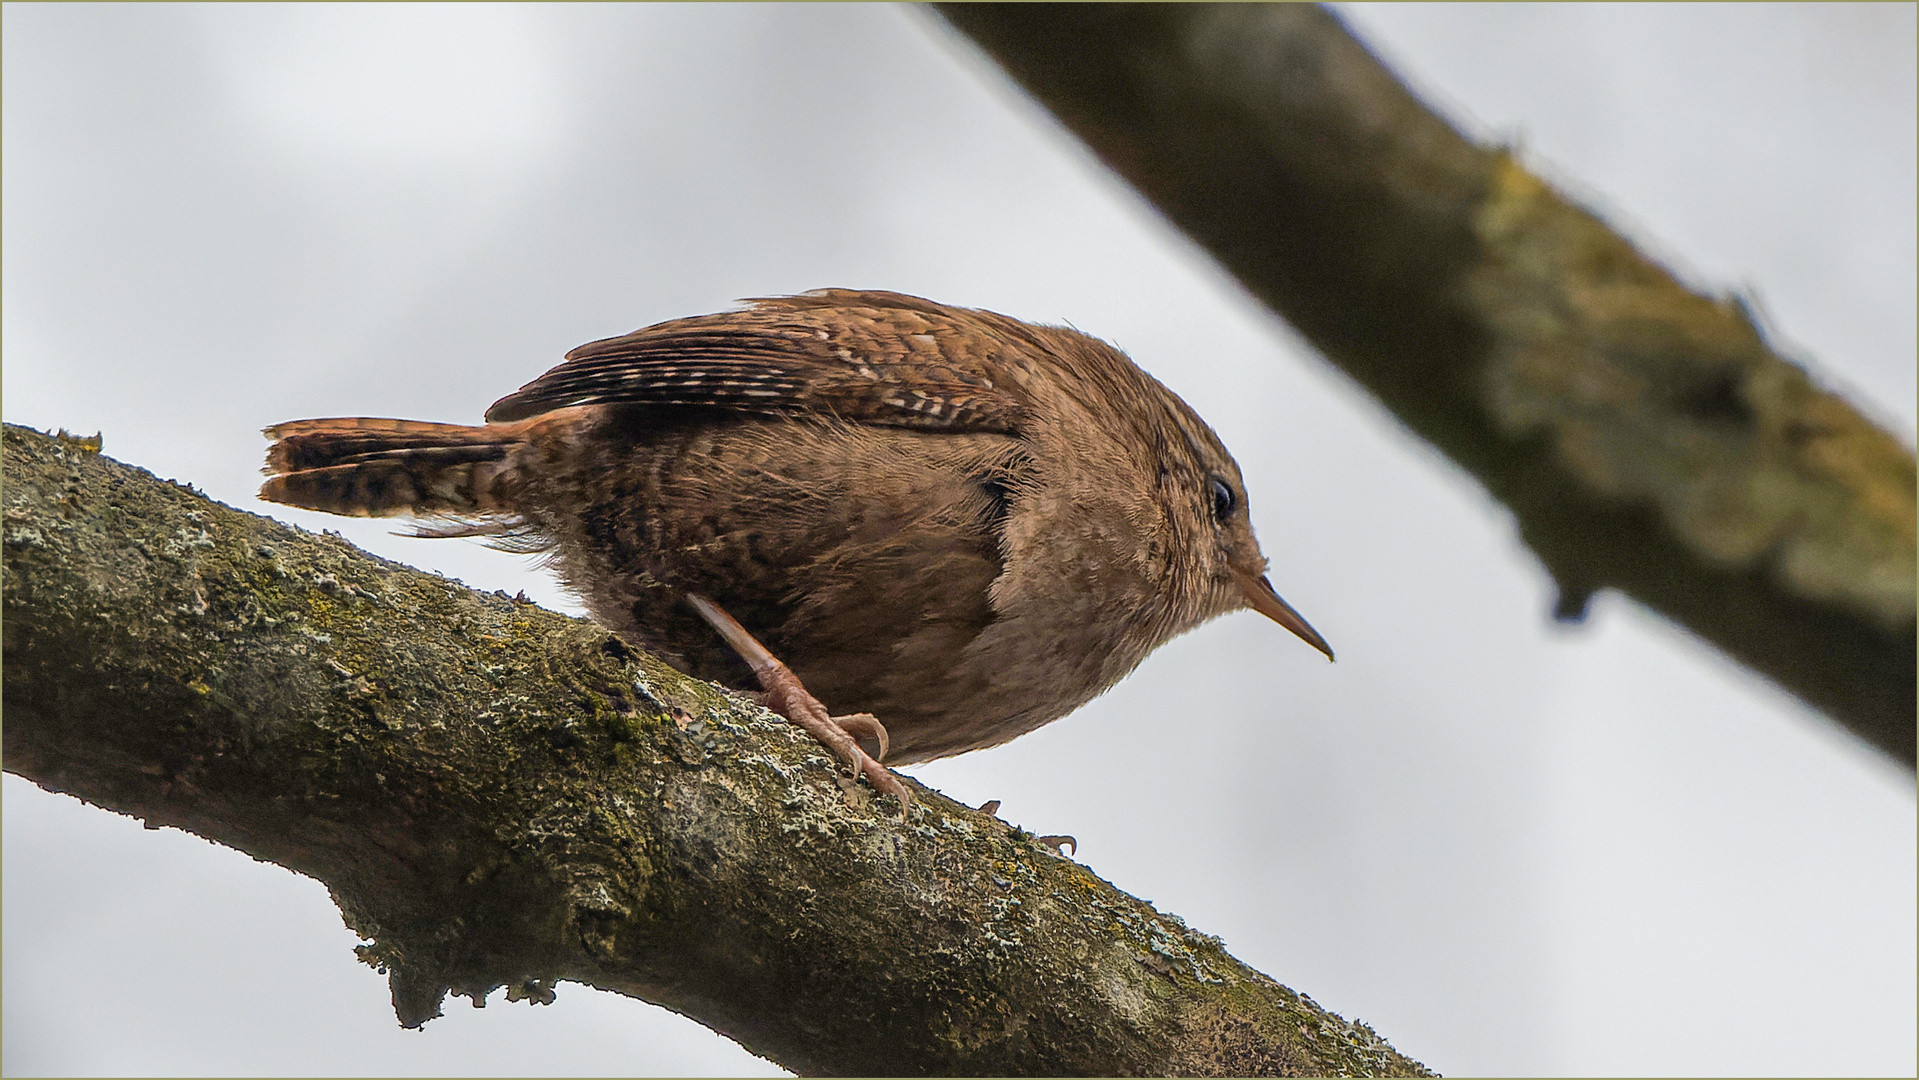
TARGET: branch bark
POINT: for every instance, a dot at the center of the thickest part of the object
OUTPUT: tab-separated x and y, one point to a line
497	795
1646	438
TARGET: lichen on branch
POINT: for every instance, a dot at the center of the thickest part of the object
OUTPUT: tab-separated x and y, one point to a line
497	795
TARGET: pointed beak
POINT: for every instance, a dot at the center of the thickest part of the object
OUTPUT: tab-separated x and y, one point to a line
1259	593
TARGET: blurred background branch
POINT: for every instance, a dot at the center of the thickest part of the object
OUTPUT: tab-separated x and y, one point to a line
1646	438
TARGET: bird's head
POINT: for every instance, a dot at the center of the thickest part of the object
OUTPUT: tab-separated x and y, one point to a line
1212	563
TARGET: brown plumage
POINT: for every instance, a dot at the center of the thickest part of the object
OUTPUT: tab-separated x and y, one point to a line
955	521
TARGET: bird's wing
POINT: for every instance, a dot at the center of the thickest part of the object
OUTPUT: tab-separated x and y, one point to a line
867	357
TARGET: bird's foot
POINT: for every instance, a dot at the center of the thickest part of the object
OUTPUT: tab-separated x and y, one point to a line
1056	843
782	692
840	734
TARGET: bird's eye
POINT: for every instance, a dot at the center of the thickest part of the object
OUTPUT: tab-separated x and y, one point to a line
1223	499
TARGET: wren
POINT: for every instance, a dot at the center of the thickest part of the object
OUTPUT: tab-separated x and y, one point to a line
953	524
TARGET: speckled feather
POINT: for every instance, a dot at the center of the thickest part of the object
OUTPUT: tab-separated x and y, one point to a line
911	364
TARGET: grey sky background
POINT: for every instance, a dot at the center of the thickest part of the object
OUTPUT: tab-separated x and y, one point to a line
1512	847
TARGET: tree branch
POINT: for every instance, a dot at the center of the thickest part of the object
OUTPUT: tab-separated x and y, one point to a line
1645	438
497	795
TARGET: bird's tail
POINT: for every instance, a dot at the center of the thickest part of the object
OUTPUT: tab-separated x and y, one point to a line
368	467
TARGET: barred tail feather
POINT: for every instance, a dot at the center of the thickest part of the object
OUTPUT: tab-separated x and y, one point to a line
313	444
372	467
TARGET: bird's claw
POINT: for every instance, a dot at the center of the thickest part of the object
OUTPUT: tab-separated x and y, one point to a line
1058	842
788	698
863	725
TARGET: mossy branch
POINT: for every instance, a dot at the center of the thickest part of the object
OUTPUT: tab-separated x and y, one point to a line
1646	438
497	795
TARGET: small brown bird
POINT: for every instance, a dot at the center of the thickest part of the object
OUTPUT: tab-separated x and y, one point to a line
960	523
